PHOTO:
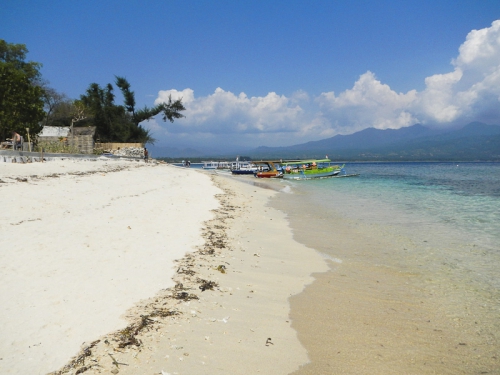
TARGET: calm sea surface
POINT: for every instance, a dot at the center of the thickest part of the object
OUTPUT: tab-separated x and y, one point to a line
454	209
434	227
463	198
439	226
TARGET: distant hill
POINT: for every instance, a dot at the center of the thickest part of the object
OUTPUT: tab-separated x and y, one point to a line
475	141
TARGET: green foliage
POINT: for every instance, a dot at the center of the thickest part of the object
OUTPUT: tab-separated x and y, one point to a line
59	109
121	123
21	98
56	147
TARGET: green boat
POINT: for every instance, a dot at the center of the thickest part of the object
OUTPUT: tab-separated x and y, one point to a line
308	169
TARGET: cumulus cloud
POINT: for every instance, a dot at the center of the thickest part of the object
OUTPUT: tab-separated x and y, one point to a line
223	111
470	91
368	104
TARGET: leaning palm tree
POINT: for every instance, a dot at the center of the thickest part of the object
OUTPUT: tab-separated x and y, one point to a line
171	109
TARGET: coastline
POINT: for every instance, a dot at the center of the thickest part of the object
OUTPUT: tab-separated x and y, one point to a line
380	310
220	305
219	275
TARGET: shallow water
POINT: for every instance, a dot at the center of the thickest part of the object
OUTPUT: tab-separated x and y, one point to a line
439	222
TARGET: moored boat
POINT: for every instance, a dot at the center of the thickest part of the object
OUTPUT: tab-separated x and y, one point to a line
308	169
268	169
244	168
215	165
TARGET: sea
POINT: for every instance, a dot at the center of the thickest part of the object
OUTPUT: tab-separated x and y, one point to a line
442	224
459	200
435	223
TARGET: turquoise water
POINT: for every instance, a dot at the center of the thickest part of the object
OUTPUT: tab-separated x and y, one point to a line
463	199
431	231
446	216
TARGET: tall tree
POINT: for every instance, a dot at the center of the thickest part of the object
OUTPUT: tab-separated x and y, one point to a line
121	123
57	106
21	98
171	110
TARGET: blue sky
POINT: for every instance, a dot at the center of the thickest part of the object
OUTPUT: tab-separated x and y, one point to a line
274	72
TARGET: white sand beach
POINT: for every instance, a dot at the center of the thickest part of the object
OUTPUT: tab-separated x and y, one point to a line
90	247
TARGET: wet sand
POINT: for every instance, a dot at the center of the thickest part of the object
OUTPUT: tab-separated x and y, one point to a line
376	311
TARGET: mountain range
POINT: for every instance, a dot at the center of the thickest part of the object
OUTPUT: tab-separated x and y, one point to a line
474	142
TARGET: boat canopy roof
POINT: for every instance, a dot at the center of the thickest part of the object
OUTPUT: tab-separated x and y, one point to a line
310	161
266	162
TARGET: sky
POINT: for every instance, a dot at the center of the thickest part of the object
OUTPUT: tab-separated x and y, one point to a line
273	73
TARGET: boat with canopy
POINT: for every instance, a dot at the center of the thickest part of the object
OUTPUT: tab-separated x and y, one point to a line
308	169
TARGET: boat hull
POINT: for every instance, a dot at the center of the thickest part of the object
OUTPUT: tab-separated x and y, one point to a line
270	174
310	174
242	172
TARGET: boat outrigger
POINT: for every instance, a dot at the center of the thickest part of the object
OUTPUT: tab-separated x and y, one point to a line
307	169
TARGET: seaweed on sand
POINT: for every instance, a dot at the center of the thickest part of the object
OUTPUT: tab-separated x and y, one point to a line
206	284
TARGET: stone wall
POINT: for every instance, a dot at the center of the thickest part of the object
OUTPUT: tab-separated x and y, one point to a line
79	138
84	143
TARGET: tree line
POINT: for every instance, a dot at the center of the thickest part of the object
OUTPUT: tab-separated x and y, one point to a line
27	102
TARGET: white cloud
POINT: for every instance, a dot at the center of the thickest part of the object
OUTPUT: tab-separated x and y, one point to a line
470	91
226	112
368	104
187	96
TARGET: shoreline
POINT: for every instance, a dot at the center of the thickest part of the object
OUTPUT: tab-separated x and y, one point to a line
225	309
381	311
258	288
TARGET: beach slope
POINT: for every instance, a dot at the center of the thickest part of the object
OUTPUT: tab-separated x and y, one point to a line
126	268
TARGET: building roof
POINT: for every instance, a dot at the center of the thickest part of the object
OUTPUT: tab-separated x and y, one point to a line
54	131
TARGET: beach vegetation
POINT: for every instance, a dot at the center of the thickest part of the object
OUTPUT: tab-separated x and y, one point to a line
122	123
21	95
61	110
60	146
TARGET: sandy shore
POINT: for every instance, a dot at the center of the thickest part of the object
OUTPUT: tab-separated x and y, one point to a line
378	310
129	268
114	267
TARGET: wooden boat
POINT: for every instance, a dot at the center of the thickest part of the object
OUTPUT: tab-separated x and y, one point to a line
268	169
308	169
